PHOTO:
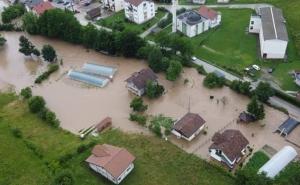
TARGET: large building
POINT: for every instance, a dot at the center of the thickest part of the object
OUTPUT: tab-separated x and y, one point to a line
138	81
113	5
112	162
192	23
228	147
189	126
273	36
139	11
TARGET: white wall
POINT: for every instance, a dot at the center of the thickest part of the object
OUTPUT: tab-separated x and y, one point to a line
275	49
114	5
255	24
140	14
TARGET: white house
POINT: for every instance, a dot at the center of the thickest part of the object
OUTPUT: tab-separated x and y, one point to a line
192	23
279	161
113	5
228	147
138	81
139	11
199	1
188	127
223	1
269	24
112	162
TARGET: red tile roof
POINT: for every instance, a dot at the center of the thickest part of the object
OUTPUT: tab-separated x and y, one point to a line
207	13
42	7
113	159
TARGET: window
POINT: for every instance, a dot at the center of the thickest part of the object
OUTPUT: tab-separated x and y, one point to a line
251	28
252	22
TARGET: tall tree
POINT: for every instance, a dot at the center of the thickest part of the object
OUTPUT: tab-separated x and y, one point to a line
129	43
48	52
173	70
27	48
30	23
256	108
155	59
264	91
88	36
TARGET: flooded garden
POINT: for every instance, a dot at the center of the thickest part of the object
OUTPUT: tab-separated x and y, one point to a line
79	106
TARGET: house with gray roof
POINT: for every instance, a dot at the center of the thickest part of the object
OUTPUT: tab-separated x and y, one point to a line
269	24
192	22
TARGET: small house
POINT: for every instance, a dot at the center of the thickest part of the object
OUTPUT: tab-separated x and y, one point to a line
113	163
228	147
93	13
113	5
214	17
245	117
138	81
287	126
40	8
139	11
189	126
269	24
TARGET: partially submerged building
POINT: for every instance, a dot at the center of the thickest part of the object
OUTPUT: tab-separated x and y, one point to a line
189	126
278	162
269	23
114	163
287	126
138	81
228	147
139	11
246	117
192	23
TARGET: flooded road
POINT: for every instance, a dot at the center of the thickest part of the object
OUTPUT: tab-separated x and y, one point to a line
79	106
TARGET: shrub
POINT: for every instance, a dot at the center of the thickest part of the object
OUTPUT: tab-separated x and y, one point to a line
48	53
201	70
154	90
140	119
137	104
51	119
155	128
51	69
212	81
63	178
12	12
36	104
37	151
264	91
256	109
241	87
82	148
26	93
65	158
17	132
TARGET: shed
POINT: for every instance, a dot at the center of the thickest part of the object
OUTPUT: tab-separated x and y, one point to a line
246	117
105	123
278	162
287	126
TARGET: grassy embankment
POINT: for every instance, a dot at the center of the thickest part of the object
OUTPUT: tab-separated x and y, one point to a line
33	158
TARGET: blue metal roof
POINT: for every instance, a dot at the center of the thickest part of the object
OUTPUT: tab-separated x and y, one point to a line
288	126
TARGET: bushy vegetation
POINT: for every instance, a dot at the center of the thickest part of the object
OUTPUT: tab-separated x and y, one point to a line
201	70
139	118
51	69
264	91
154	90
36	104
241	87
137	104
12	12
160	121
64	178
213	81
2	40
48	53
256	109
174	70
26	93
27	48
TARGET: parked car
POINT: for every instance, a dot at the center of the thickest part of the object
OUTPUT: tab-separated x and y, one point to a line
60	2
194	58
256	67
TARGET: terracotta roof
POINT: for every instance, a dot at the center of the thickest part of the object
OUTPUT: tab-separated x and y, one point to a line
113	159
135	2
207	13
189	124
139	79
42	7
230	142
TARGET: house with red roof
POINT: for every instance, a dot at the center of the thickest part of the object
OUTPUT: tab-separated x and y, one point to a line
139	11
43	6
114	163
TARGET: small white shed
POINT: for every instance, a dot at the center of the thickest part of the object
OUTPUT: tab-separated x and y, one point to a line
278	162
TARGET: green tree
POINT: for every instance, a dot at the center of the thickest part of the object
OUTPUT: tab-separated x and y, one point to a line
48	52
241	87
63	178
12	12
212	81
155	59
245	177
154	90
26	93
27	48
106	41
201	70
137	104
256	109
30	23
264	91
173	70
36	104
88	36
129	43
2	40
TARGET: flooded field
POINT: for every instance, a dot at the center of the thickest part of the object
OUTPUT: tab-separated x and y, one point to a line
79	106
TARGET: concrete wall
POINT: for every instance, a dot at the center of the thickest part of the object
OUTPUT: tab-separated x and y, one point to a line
274	49
140	14
255	24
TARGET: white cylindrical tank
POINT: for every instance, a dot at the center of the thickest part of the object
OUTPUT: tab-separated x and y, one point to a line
278	162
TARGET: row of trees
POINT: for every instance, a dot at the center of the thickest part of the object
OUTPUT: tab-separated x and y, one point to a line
12	12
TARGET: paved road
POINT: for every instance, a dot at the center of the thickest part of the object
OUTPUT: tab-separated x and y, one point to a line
292	109
148	31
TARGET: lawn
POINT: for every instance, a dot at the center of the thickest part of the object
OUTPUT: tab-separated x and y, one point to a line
256	162
118	19
157	161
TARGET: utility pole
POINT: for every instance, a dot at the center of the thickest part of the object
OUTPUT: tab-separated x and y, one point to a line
174	8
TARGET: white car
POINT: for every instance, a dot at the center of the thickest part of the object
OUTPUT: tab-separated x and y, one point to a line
256	67
194	58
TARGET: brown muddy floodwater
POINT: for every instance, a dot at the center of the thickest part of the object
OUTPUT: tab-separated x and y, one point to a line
79	106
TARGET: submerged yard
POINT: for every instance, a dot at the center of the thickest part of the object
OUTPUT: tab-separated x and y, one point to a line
157	161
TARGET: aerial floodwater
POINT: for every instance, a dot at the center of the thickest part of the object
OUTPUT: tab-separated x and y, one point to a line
79	106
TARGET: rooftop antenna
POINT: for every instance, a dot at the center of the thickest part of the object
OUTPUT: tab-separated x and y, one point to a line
174	7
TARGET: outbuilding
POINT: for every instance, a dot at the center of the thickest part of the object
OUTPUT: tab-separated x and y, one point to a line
278	162
287	126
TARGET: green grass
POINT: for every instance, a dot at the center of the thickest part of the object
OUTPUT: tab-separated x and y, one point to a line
256	162
119	18
157	161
